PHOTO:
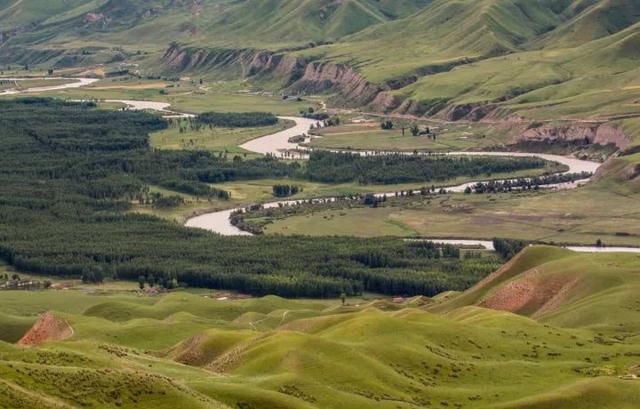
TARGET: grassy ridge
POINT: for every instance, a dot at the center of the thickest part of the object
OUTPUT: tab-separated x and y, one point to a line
271	352
568	59
564	288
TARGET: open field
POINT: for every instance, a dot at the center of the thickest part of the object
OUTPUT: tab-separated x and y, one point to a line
209	350
581	216
212	139
187	96
30	83
244	193
450	137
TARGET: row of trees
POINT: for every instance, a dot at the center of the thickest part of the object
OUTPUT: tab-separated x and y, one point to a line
388	125
237	119
507	248
502	186
334	167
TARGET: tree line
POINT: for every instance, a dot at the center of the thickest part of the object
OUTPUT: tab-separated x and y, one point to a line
286	190
237	119
70	174
534	183
334	167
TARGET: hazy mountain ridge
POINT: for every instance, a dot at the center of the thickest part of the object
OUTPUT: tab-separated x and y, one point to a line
457	59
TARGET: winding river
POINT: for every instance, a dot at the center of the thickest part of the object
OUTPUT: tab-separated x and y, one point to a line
278	143
77	83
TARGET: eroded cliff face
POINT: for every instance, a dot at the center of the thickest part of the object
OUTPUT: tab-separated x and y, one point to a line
322	77
602	134
296	75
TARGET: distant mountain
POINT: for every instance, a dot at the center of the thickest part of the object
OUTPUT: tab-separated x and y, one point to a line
452	58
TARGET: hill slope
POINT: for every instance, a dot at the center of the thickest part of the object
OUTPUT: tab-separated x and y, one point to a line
454	59
190	350
563	288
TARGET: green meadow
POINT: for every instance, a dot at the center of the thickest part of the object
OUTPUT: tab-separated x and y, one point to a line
212	350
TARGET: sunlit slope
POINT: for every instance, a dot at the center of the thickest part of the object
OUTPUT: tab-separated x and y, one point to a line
185	349
297	21
537	59
591	20
563	288
247	23
597	79
16	13
448	31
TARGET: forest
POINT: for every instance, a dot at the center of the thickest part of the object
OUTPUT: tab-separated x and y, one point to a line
502	186
71	172
396	168
237	119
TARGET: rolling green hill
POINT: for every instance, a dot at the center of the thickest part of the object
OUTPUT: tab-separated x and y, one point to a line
577	346
563	288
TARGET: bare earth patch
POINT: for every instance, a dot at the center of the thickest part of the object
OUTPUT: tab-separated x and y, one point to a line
47	328
533	293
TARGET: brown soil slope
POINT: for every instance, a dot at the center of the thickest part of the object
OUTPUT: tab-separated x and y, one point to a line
47	328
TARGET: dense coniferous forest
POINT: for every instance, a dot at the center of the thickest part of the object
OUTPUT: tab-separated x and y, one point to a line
285	190
396	168
70	173
237	119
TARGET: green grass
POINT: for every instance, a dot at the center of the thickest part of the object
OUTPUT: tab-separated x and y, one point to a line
32	83
187	96
450	137
212	139
578	216
188	349
547	58
572	290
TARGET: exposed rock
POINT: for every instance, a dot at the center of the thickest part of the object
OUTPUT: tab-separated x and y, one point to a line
470	112
296	74
90	18
631	172
323	77
532	293
47	328
602	134
385	102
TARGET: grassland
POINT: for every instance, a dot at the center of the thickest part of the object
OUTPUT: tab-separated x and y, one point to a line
581	216
187	95
30	83
450	137
212	139
575	346
244	193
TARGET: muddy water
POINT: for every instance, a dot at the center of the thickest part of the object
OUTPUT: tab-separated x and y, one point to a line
142	105
78	82
488	245
274	144
278	142
218	222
